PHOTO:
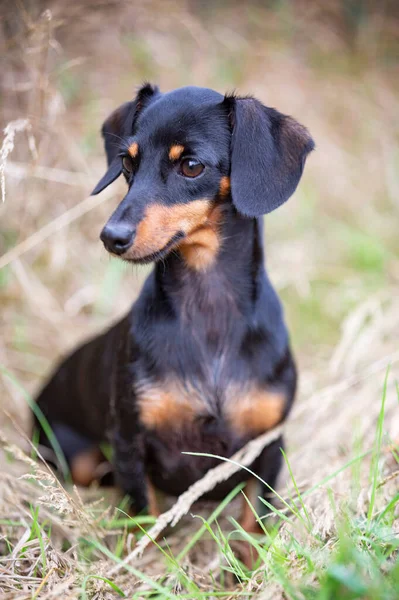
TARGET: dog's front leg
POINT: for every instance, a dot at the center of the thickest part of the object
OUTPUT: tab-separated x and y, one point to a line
130	468
127	435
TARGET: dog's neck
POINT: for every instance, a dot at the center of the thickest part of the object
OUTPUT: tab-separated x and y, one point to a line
221	268
204	316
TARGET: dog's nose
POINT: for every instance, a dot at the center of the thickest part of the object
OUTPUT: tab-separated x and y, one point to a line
117	238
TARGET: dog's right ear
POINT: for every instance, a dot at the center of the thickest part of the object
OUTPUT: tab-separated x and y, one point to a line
118	125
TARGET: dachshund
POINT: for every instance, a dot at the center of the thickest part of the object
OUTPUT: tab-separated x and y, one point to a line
202	361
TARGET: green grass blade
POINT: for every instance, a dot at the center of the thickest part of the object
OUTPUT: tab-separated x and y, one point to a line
377	451
45	425
308	519
198	535
282	500
138	574
108	581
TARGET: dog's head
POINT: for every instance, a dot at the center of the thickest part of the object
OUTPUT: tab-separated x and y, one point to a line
183	155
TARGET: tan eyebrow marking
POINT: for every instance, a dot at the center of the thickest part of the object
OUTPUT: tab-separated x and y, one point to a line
176	151
224	186
133	149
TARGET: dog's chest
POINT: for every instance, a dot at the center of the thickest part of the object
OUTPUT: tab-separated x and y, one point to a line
180	408
182	418
197	387
201	373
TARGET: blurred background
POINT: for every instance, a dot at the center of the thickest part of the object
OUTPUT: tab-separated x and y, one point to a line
332	250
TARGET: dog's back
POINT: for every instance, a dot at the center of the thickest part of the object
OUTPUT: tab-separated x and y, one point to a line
75	401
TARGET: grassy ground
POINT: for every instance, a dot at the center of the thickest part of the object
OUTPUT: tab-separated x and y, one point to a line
332	253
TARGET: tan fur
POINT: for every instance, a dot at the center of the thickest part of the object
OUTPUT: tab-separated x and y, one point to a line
134	149
161	223
247	518
83	466
224	186
200	249
245	551
161	409
255	411
153	504
168	406
176	151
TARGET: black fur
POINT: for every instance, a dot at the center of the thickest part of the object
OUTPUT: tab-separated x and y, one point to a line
268	153
208	330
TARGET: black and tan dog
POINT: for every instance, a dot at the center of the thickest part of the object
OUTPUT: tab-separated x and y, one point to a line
202	361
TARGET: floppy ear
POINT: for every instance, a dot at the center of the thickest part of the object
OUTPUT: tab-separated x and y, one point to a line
119	124
268	153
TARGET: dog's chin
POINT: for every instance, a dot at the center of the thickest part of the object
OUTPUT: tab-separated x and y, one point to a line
153	256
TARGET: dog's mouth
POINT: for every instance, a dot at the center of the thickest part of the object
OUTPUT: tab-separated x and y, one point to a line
161	230
157	255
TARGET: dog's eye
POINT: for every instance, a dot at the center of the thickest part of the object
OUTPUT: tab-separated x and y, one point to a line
190	167
127	165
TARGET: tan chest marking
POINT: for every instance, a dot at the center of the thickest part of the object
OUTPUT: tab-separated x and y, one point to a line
254	411
171	406
168	406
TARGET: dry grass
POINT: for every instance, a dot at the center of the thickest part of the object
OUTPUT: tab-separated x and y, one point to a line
332	253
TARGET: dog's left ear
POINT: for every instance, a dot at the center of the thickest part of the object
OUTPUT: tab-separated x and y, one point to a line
268	153
119	124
